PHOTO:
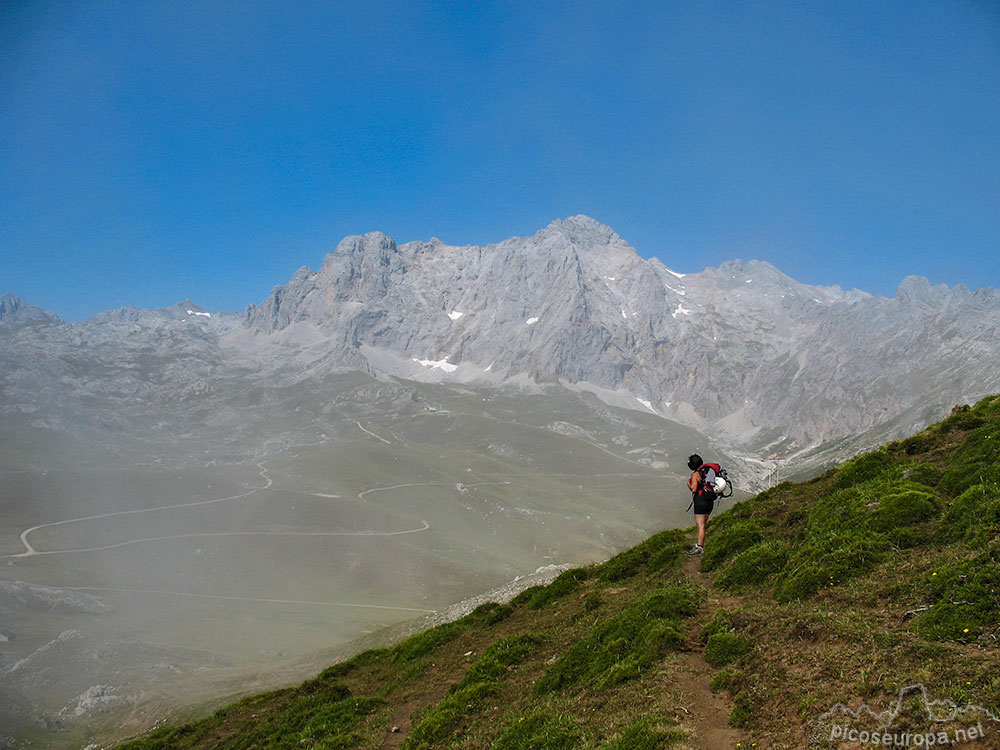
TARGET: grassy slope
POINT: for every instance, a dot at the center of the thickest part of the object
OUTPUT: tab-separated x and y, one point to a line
846	588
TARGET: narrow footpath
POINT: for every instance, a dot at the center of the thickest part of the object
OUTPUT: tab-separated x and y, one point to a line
702	710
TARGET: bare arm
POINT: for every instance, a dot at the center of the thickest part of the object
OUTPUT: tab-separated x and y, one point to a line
693	481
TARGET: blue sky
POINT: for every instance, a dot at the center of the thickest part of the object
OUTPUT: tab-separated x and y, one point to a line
154	151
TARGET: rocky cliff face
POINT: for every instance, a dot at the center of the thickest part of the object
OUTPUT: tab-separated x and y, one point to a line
16	310
742	352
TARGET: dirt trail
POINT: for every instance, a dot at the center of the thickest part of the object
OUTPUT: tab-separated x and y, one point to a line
702	710
30	551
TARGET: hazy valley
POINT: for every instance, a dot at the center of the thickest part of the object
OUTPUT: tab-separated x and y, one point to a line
196	504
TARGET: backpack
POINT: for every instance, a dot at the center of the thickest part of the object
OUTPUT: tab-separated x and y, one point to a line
709	486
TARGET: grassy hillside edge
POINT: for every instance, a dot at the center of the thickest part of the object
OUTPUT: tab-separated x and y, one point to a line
876	584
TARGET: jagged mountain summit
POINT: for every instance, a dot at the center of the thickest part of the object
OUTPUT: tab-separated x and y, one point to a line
16	310
742	351
765	365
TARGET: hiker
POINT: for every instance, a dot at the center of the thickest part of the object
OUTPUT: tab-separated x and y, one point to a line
703	494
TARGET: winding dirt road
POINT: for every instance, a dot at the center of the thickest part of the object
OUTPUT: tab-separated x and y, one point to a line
30	551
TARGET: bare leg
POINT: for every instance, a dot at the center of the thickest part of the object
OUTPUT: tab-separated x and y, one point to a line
701	521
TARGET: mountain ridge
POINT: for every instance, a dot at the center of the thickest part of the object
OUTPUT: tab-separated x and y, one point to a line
773	367
575	303
15	310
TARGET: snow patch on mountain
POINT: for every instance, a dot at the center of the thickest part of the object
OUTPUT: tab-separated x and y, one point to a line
441	364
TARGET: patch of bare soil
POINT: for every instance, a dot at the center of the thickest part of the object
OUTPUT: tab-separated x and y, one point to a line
703	711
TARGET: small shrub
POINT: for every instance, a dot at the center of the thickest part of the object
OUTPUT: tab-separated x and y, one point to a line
648	733
730	540
754	566
538	731
656	553
491	613
976	461
622	646
724	679
743	710
725	648
903	509
566	583
828	562
863	469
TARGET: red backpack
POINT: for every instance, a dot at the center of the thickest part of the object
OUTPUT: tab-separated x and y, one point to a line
712	490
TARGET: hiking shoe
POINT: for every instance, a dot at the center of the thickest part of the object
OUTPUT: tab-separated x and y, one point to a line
696	550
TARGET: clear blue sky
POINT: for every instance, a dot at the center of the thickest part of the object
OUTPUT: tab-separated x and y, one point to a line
152	151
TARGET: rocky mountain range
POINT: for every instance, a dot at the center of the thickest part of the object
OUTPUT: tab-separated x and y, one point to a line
762	363
15	310
566	373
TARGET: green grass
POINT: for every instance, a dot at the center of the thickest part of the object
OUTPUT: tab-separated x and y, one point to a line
319	714
621	647
540	731
973	515
904	508
828	561
539	596
653	555
977	461
965	599
421	644
865	468
647	733
754	566
722	649
730	537
939	487
481	681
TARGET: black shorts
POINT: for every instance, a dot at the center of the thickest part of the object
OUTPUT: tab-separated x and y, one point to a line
703	505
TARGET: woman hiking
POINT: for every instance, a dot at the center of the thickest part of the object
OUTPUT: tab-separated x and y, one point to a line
702	486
